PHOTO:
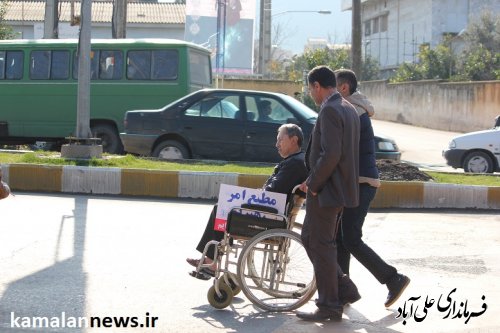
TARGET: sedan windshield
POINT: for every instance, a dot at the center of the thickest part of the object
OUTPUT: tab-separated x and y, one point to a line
304	110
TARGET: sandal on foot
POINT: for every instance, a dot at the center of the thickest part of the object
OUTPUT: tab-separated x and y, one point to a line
193	262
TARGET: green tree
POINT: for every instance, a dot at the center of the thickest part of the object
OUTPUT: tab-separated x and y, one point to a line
6	31
370	69
433	64
481	57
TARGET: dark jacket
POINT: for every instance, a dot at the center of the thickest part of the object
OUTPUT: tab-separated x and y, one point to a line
368	172
287	174
367	160
333	154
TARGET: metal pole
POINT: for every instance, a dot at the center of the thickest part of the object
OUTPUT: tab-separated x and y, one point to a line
83	103
356	38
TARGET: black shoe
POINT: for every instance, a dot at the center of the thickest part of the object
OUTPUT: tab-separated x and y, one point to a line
321	315
348	292
396	286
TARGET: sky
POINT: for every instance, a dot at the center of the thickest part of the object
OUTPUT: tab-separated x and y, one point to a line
335	27
298	27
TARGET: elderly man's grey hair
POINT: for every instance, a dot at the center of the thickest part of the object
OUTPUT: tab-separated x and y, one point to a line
293	130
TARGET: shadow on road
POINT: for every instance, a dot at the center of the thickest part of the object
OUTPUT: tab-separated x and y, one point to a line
56	292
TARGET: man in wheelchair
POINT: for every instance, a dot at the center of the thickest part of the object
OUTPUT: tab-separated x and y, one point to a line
288	173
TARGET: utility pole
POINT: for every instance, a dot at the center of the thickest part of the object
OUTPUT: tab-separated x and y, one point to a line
83	102
84	146
356	38
119	20
50	27
264	37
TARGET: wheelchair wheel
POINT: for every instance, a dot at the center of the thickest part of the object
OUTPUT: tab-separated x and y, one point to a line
275	271
233	284
222	301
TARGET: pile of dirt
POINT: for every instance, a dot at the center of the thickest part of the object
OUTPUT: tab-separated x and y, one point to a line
393	170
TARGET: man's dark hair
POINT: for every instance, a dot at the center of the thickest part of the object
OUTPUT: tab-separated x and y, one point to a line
349	77
293	130
323	75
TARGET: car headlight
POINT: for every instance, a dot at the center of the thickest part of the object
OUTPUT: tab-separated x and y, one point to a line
386	145
452	144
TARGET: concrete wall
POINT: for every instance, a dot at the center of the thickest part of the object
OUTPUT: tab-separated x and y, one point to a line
457	107
286	87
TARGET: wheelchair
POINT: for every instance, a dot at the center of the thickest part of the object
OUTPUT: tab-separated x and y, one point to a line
262	256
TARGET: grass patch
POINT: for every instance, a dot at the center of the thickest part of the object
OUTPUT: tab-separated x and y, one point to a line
465	179
133	162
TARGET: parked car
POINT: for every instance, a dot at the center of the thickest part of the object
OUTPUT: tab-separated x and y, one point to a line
223	124
477	152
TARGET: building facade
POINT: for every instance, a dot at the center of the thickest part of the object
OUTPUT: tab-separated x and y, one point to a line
393	30
144	19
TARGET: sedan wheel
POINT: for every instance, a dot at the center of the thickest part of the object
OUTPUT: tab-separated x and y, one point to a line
171	150
478	162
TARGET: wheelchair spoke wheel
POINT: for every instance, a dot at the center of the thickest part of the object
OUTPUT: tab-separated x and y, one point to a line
220	301
275	272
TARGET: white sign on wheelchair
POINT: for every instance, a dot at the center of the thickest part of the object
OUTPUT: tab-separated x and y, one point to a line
231	196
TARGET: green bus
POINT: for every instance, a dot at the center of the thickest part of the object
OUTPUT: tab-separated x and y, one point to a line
39	80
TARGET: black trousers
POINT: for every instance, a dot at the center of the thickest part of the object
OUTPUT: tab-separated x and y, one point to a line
349	239
210	234
318	238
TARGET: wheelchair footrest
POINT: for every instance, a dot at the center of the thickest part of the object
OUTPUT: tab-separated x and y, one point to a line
200	275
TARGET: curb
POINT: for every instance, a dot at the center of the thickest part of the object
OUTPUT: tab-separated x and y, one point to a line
205	185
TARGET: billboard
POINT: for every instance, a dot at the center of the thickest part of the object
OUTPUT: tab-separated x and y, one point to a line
227	28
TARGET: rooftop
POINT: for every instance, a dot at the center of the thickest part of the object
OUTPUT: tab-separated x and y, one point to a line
137	12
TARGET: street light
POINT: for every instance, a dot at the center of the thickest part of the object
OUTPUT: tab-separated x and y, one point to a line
325	12
265	33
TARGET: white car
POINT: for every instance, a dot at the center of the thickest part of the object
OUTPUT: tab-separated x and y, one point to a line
477	152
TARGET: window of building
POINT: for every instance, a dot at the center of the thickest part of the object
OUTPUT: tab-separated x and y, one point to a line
375	25
368	30
383	23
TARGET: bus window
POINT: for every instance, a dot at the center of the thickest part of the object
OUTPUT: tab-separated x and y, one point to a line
165	65
59	70
15	65
49	65
110	65
2	65
199	68
94	65
138	65
39	65
153	65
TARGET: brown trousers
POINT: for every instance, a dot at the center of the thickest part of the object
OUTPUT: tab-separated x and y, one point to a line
318	236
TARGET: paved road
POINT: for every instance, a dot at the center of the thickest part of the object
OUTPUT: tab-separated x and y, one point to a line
420	146
109	256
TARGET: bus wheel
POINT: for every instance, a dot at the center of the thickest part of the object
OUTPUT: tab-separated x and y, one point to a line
110	140
171	150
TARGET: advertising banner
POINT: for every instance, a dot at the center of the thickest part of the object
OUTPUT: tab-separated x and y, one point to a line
230	36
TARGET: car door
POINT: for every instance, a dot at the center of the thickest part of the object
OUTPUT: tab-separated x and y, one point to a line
261	130
212	129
